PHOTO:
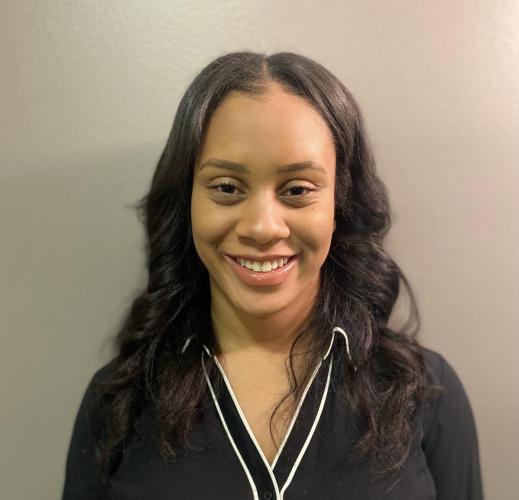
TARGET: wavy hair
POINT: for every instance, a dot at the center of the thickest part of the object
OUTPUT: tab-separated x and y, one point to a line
360	283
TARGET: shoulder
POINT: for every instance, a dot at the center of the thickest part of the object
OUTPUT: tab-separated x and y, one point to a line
450	438
81	479
434	365
94	395
450	412
440	371
105	370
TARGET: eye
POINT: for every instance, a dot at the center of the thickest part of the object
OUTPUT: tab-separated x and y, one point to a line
298	188
227	187
226	193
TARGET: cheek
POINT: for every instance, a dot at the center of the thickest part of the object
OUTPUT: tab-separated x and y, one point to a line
199	221
316	231
207	223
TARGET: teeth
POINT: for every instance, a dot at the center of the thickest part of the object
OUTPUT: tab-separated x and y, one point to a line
263	267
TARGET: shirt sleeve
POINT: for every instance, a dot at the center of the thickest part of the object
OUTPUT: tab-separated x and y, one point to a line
450	436
81	479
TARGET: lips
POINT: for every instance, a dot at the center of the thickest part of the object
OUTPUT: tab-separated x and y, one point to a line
253	278
264	258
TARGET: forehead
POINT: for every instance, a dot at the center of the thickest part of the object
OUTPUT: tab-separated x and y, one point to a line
277	127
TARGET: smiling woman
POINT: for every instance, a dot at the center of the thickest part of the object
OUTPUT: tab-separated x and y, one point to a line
258	362
272	144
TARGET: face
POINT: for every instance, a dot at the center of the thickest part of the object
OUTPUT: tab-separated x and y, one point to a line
245	204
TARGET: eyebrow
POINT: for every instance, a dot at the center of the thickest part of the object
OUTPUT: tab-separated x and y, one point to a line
238	167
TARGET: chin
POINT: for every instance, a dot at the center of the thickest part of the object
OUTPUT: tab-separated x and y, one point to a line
260	307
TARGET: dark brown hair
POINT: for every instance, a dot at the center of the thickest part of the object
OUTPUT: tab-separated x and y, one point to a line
360	283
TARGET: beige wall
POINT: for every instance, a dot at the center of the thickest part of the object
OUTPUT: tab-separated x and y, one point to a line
88	93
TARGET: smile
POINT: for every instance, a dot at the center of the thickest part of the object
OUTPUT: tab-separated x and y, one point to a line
265	266
257	273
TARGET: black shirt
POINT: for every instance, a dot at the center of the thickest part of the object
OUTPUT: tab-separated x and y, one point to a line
311	462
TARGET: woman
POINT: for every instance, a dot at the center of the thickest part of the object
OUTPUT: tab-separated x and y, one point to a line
258	363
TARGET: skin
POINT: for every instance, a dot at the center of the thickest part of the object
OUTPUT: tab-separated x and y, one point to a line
262	214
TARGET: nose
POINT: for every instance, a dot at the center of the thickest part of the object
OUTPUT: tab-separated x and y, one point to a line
262	219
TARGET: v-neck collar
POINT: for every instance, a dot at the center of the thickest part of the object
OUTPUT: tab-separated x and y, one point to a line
271	481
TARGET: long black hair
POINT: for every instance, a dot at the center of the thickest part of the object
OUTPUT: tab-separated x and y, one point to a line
359	287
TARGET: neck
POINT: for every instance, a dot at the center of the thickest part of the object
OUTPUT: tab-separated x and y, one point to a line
271	335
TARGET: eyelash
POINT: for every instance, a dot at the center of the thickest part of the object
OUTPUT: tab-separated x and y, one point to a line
216	186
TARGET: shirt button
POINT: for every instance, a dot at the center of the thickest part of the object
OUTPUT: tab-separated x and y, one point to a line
267	495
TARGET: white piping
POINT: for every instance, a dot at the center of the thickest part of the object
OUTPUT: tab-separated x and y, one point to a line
249	430
310	434
345	335
222	419
294	417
